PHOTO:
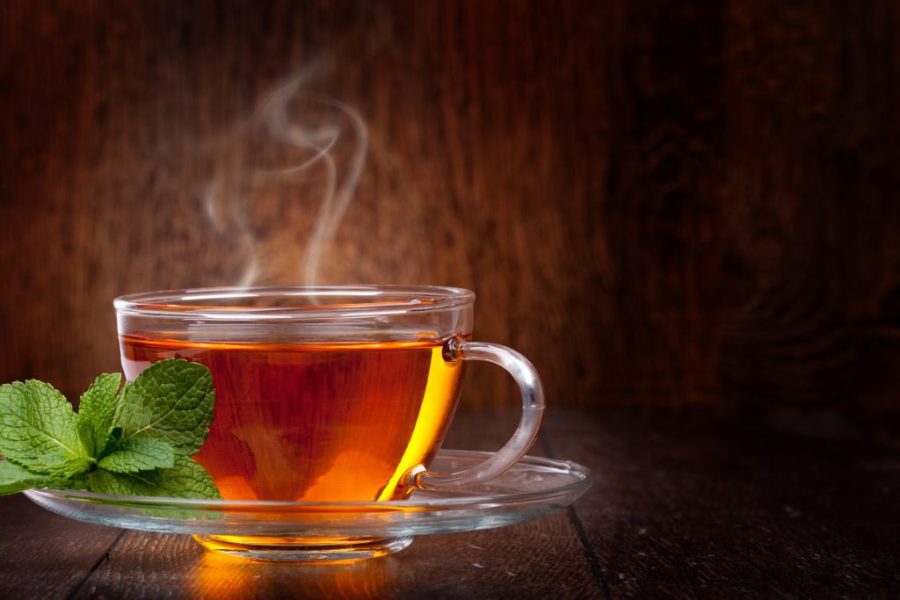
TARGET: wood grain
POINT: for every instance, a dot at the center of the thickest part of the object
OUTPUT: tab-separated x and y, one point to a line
697	507
690	507
45	555
531	559
657	202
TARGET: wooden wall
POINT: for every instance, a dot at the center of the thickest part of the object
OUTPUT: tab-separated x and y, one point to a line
660	203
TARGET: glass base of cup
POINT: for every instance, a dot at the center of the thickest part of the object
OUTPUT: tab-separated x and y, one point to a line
317	551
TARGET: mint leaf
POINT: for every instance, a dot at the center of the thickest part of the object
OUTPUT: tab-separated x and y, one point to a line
133	440
187	479
139	454
171	400
14	479
37	430
119	403
96	410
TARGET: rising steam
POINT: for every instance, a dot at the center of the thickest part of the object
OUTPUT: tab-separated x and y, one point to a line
313	133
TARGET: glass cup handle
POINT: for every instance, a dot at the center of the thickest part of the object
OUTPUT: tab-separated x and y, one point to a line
532	414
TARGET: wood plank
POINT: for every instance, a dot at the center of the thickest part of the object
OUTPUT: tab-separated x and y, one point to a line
685	506
688	506
648	196
43	555
530	560
117	124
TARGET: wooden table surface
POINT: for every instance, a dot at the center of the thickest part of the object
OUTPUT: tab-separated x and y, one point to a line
685	505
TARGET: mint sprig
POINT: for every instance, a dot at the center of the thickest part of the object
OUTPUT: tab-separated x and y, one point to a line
132	439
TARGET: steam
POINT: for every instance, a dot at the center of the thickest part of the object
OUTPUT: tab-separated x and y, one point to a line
231	193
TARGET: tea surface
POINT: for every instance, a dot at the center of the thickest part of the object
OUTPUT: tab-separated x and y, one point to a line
315	422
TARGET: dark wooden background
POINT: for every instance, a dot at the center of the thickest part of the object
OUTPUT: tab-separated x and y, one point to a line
661	203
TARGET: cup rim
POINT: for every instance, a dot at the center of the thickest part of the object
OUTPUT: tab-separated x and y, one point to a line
365	301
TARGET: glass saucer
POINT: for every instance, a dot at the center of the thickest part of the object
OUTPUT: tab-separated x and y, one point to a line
338	531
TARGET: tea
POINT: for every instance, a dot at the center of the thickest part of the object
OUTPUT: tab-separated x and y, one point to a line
308	411
315	421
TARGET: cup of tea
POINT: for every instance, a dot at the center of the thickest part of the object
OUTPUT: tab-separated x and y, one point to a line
327	393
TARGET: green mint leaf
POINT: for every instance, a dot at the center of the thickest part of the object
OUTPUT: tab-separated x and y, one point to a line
85	431
119	403
187	479
171	400
138	454
37	430
96	411
14	479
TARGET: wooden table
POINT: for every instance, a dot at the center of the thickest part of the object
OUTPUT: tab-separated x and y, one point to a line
685	505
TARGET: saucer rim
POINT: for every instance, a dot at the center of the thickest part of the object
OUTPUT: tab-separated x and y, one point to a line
584	478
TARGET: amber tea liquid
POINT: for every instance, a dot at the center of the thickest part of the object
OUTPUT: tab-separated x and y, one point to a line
315	421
